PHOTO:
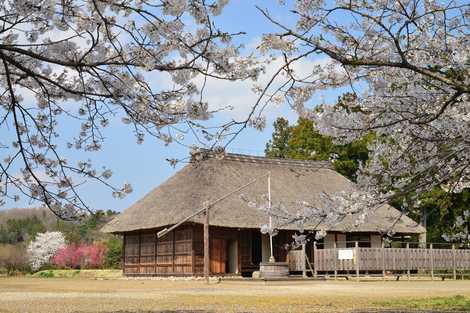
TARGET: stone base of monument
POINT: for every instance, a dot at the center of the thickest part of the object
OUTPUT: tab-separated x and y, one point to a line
274	270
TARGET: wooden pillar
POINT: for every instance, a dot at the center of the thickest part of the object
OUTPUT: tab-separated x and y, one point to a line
239	252
335	260
304	268
315	261
140	244
193	251
454	263
383	260
156	253
173	251
431	260
408	261
356	245
206	246
123	257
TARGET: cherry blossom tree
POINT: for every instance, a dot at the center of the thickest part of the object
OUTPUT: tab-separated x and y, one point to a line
328	212
80	256
44	247
89	62
405	65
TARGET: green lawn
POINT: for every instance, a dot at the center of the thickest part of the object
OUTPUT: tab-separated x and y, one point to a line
458	303
93	274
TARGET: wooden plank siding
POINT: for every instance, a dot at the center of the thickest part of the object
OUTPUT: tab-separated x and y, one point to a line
391	259
181	251
131	254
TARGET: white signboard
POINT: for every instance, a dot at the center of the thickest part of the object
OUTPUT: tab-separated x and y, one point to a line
345	254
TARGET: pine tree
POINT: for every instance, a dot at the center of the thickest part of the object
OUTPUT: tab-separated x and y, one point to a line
278	146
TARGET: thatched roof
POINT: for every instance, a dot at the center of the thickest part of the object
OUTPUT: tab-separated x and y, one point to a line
291	181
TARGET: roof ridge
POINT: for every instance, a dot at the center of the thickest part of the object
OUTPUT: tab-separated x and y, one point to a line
268	160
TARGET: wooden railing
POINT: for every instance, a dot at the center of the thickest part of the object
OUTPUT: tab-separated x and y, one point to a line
381	260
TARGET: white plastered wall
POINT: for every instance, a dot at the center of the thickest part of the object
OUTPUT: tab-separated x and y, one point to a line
375	241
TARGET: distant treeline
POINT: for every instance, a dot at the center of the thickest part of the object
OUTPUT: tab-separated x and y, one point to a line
18	227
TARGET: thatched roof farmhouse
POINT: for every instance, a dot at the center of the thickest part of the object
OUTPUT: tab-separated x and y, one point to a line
232	221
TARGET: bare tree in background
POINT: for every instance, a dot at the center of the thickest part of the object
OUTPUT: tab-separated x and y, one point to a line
87	61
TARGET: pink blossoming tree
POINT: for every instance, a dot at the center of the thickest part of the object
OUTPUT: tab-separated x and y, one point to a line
80	256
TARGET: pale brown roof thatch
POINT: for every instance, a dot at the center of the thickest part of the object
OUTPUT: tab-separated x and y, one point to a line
291	181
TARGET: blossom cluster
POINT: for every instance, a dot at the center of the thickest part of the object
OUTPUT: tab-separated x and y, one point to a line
43	248
329	211
88	63
405	68
80	256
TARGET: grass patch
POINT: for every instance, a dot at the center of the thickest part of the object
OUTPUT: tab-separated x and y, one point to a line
45	274
93	274
454	303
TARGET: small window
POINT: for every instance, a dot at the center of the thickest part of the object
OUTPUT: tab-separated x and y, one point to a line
362	239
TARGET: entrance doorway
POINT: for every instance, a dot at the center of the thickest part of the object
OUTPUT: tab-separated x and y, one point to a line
224	256
256	256
232	257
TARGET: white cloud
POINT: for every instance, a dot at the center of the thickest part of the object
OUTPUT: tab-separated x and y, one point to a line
239	94
220	93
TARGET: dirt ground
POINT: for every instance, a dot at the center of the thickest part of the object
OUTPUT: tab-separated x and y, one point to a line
86	295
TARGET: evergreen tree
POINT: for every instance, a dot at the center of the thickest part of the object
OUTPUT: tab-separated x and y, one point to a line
438	209
17	230
303	142
278	146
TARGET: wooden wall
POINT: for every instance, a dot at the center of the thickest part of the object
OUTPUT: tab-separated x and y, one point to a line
170	255
181	252
219	240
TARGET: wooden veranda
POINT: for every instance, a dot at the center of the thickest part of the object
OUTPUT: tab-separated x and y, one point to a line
408	260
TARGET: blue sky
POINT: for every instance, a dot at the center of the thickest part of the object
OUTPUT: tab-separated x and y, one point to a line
144	165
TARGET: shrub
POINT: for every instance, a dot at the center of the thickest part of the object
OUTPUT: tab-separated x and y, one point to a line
46	274
67	257
113	252
44	247
80	256
13	258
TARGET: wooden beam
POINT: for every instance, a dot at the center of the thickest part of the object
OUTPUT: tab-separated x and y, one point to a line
383	259
304	265
239	253
335	259
315	259
431	252
206	246
123	257
358	259
155	252
193	251
454	263
140	246
173	244
408	261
